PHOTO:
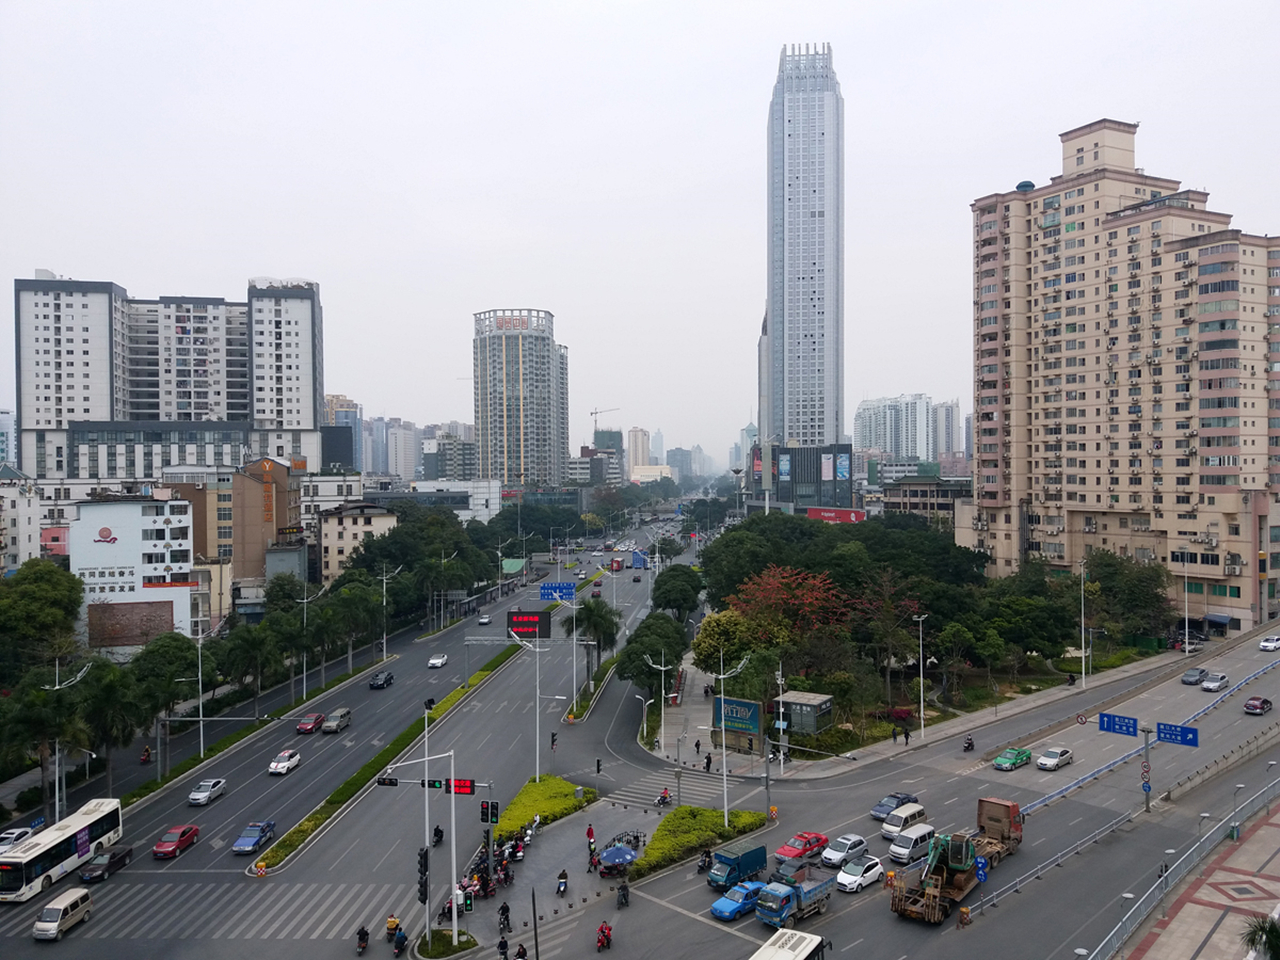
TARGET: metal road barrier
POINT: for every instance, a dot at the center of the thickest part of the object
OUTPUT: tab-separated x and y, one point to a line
1227	828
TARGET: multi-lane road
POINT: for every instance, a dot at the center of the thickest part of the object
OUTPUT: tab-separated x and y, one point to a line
364	864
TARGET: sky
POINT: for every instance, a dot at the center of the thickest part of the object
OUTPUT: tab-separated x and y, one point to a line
424	161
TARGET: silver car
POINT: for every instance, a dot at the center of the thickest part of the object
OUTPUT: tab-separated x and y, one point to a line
206	791
1215	682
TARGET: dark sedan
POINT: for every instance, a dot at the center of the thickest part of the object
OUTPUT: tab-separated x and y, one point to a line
891	803
381	680
109	861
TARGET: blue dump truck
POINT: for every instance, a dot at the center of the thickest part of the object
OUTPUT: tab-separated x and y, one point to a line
793	892
744	860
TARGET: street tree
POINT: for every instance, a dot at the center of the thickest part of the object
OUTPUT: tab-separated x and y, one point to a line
113	710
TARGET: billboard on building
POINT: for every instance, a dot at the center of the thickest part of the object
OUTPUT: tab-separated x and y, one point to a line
827	466
784	466
842	466
836	514
740	716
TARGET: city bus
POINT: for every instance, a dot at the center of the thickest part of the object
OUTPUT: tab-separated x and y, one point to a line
53	853
793	945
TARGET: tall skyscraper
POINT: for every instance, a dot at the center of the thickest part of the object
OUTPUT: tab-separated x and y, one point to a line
657	452
246	377
900	426
637	449
1120	347
801	349
948	428
340	411
521	397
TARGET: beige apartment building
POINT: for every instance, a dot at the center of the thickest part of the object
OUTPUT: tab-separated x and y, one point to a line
342	531
1122	390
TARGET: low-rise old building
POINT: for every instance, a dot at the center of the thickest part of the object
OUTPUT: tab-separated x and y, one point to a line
343	529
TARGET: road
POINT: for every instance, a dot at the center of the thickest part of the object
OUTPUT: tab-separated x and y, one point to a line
364	865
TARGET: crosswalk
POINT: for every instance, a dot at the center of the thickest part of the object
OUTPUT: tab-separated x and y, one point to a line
696	788
236	910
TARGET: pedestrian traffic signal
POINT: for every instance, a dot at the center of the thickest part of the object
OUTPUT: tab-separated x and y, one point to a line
422	863
466	902
553	741
388	782
484	811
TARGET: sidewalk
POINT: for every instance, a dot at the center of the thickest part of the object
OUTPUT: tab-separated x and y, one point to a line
690	721
1206	912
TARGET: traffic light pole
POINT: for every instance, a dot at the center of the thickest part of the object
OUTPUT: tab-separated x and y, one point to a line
426	811
453	846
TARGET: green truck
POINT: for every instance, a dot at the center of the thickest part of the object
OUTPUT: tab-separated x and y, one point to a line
792	896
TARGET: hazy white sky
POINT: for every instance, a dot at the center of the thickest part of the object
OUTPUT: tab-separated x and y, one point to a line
602	160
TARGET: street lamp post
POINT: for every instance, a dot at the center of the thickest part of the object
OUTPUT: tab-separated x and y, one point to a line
722	676
384	578
644	713
920	622
1084	674
305	601
1186	609
662	723
537	714
59	798
1235	811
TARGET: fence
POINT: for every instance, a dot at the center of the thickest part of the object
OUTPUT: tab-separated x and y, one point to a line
1227	828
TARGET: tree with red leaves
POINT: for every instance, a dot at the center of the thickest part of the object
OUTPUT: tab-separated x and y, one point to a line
809	602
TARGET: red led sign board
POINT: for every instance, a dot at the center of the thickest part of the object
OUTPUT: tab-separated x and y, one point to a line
530	624
462	786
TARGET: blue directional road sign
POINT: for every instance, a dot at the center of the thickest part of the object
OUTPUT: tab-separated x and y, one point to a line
1114	723
1176	733
981	863
558	591
1146	788
982	876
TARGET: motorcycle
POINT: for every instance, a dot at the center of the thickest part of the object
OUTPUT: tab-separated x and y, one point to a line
775	753
704	863
604	940
968	744
624	896
562	884
437	837
361	943
663	800
1071	679
393	926
145	758
446	913
402	941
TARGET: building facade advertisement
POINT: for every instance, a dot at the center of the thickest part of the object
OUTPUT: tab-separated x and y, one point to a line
836	514
740	716
842	466
784	466
827	466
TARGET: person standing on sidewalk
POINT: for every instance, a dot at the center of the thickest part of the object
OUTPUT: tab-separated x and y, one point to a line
895	733
906	737
697	746
707	763
591	836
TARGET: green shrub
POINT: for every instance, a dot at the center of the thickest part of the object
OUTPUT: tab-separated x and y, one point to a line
442	944
550	799
686	830
506	654
29	798
602	671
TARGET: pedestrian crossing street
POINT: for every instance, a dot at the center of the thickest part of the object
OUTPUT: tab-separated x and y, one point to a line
235	910
696	788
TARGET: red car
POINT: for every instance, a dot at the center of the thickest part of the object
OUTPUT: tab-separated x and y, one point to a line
311	723
1257	705
595	593
801	845
175	840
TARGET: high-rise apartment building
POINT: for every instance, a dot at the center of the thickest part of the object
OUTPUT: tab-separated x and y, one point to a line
99	371
948	428
521	378
637	449
801	348
340	411
657	452
1121	336
902	427
8	441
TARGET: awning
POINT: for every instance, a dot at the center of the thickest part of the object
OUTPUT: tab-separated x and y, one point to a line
1218	619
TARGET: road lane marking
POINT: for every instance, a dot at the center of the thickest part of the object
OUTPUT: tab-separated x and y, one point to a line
952	800
952	780
715	924
852	945
1075	821
1040	841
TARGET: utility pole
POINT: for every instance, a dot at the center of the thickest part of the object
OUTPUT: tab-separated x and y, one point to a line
384	578
305	601
1146	759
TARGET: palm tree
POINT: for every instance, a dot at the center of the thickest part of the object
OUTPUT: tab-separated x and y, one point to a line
600	622
1262	935
40	720
251	651
113	711
358	608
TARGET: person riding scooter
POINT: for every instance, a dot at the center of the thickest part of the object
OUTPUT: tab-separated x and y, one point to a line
402	940
521	952
362	939
146	753
436	836
704	861
1071	679
604	936
562	882
968	743
624	894
393	927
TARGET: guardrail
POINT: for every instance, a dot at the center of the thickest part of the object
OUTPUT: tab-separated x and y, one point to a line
1137	751
1143	905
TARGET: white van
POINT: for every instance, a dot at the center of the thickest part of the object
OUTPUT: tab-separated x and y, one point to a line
907	815
62	913
912	843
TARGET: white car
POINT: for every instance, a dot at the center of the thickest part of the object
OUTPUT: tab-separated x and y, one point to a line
1055	758
1269	643
597	553
285	761
859	873
11	838
485	619
206	791
1215	682
437	660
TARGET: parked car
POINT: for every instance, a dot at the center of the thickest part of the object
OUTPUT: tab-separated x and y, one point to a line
805	844
437	661
285	761
737	900
109	861
255	836
1215	682
1269	643
485	619
1195	676
891	803
175	840
381	680
206	791
311	723
1054	758
1191	646
14	836
1012	758
842	849
859	873
1257	705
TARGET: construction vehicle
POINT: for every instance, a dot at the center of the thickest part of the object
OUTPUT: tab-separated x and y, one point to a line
794	892
956	861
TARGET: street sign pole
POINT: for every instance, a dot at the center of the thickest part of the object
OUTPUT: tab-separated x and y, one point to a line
1146	763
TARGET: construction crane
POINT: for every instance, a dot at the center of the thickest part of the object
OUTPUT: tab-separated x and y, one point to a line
595	418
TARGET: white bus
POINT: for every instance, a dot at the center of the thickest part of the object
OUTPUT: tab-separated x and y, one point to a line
35	863
793	945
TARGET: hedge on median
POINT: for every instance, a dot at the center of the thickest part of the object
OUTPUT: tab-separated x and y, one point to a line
549	799
292	840
687	830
